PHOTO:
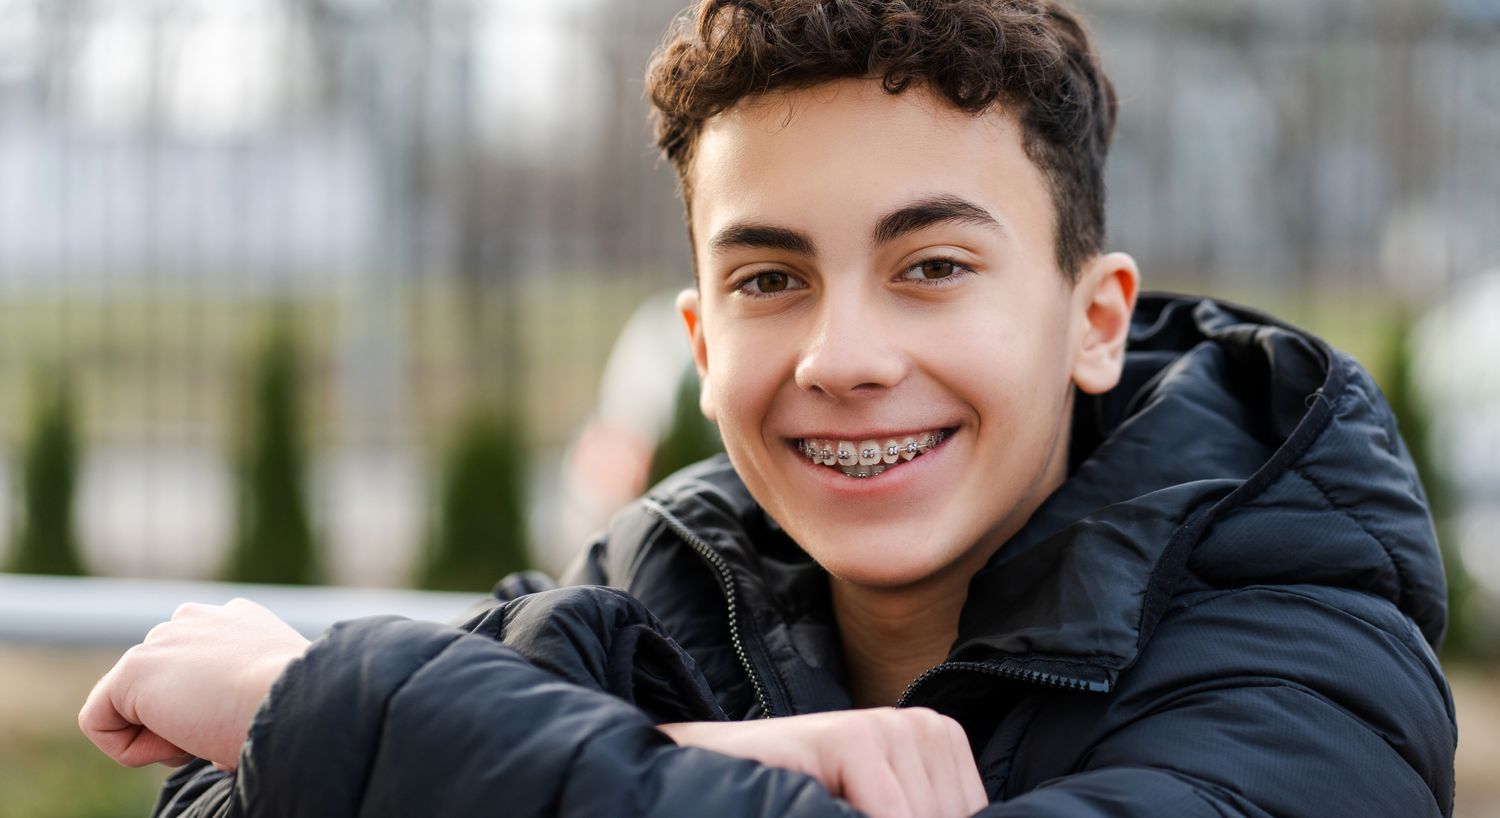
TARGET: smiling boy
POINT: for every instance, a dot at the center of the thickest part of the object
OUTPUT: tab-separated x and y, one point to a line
906	293
1197	578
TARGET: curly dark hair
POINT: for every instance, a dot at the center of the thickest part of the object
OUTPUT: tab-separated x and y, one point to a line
1033	56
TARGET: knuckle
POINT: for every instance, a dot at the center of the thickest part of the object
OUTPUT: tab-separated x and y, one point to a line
186	609
859	732
934	723
955	732
156	634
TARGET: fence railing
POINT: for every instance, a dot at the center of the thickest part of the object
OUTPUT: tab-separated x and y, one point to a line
102	612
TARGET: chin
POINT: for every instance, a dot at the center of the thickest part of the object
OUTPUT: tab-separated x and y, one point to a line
885	563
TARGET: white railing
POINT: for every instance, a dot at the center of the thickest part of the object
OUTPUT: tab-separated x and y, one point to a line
83	611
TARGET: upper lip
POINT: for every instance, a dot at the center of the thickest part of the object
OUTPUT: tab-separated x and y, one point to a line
889	432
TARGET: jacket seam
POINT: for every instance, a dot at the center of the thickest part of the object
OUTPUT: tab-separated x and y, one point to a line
1287	591
1324	700
1165	574
1210	803
1266	683
1422	657
1196	784
1335	505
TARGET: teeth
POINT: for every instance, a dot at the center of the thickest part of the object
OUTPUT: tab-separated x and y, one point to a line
869	457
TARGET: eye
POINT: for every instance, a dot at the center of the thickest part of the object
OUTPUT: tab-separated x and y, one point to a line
935	270
768	283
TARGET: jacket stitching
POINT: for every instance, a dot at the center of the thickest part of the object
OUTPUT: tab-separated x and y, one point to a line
1260	684
1335	505
1289	592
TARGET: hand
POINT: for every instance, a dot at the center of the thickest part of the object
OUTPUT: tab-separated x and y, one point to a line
192	687
887	762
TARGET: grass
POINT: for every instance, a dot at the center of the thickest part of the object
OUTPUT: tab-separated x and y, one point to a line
47	768
58	775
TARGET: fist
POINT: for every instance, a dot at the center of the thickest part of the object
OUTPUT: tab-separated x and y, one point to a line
192	687
887	762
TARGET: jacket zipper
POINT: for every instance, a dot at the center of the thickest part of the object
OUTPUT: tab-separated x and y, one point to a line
1033	676
731	598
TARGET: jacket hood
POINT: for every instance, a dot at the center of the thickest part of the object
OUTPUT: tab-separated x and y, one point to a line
1236	451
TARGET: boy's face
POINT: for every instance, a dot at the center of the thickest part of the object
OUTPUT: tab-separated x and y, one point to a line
879	270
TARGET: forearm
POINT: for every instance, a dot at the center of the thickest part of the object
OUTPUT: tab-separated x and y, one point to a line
388	717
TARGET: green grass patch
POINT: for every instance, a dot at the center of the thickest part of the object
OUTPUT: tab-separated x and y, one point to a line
64	776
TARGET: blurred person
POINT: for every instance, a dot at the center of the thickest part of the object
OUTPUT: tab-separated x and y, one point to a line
608	463
993	535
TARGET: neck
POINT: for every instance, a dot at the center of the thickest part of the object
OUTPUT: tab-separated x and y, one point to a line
891	636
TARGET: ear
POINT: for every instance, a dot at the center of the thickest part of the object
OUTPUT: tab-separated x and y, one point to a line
690	308
1104	299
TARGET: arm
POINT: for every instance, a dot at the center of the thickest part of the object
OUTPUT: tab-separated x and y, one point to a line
389	717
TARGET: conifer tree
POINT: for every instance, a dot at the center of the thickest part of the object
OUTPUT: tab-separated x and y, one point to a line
690	437
44	541
274	539
479	531
1413	421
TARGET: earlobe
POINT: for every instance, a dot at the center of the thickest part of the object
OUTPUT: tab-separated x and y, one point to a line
1107	288
690	308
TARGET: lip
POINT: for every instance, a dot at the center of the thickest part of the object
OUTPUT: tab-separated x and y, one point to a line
875	435
893	481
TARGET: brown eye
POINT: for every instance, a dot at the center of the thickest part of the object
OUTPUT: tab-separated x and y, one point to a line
936	269
771	282
768	283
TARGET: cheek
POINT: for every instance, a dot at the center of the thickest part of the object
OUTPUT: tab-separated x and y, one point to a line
743	380
1011	373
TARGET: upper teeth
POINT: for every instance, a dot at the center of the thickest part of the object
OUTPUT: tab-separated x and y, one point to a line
868	457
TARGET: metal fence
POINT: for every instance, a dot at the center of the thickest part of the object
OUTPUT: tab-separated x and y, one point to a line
458	200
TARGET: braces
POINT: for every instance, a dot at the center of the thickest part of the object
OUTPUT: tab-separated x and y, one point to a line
828	456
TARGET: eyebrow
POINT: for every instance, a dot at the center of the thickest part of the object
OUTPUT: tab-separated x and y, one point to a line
911	218
931	211
762	237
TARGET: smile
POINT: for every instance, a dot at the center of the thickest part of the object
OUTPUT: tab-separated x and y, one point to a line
869	457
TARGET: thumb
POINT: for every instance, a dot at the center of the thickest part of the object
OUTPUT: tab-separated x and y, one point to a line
119	737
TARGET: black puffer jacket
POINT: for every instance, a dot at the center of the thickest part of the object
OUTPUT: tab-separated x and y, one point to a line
1228	609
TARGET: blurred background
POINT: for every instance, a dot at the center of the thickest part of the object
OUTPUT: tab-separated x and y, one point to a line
374	295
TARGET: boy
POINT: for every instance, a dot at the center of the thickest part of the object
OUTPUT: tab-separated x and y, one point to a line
1198	579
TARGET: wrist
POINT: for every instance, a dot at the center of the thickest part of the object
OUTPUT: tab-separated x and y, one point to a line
681	732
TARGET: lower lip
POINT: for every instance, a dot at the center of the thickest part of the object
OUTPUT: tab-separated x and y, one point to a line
893	480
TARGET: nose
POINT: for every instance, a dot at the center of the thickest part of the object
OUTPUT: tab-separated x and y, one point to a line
851	351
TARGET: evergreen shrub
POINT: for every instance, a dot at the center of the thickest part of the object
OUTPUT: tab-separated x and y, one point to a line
274	540
479	531
690	437
44	541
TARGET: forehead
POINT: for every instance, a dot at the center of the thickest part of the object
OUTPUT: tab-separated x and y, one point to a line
844	152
